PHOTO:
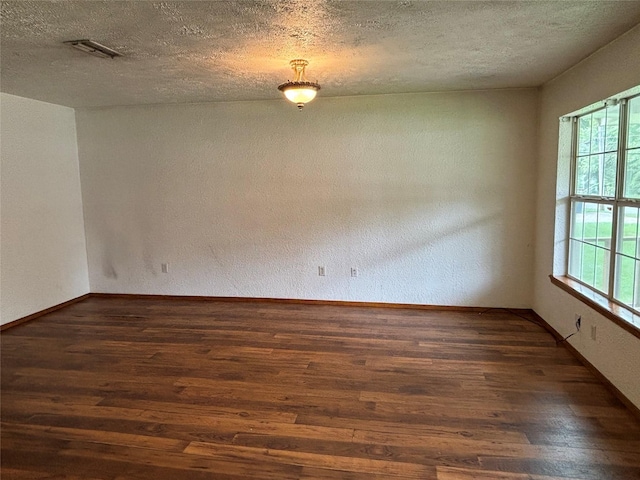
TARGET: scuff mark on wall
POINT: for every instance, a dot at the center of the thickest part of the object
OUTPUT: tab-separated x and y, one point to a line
223	269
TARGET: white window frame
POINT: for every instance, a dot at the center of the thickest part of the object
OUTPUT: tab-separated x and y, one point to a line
616	202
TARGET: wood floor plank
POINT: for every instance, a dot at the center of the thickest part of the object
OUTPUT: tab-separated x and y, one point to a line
221	425
236	466
568	468
453	473
272	415
97	436
316	460
409	453
411	432
20	474
134	388
313	473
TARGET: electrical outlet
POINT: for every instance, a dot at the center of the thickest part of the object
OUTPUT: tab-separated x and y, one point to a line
354	272
593	333
165	268
321	271
578	322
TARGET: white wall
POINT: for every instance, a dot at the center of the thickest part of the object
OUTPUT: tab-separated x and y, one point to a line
616	68
43	251
430	196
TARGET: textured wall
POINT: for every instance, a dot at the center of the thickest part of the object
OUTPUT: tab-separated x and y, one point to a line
430	196
613	69
43	250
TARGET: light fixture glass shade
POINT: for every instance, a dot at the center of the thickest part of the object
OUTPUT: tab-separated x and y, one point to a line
300	91
300	94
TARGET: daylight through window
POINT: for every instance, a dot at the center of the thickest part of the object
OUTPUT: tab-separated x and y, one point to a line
604	251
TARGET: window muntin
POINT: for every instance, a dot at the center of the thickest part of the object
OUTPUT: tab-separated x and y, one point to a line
604	250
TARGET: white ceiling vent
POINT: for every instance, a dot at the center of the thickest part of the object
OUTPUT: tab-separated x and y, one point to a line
93	48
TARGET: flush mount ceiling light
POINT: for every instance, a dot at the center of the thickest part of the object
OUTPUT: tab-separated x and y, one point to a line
93	48
300	91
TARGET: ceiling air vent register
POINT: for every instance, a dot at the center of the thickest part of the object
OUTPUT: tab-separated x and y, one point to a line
93	48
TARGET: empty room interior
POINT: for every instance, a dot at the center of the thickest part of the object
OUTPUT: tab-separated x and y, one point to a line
325	239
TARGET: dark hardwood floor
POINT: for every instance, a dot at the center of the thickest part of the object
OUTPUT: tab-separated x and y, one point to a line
113	388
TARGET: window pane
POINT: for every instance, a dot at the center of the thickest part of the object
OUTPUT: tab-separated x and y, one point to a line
613	121
584	135
588	264
604	223
577	220
582	176
627	276
590	222
598	122
625	279
628	240
610	165
603	258
632	175
633	133
636	286
632	237
595	171
575	256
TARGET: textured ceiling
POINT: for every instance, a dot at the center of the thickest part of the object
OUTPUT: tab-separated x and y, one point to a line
235	50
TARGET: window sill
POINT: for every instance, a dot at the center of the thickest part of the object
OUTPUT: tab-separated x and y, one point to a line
621	316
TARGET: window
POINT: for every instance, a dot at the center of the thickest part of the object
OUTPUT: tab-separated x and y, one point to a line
604	247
